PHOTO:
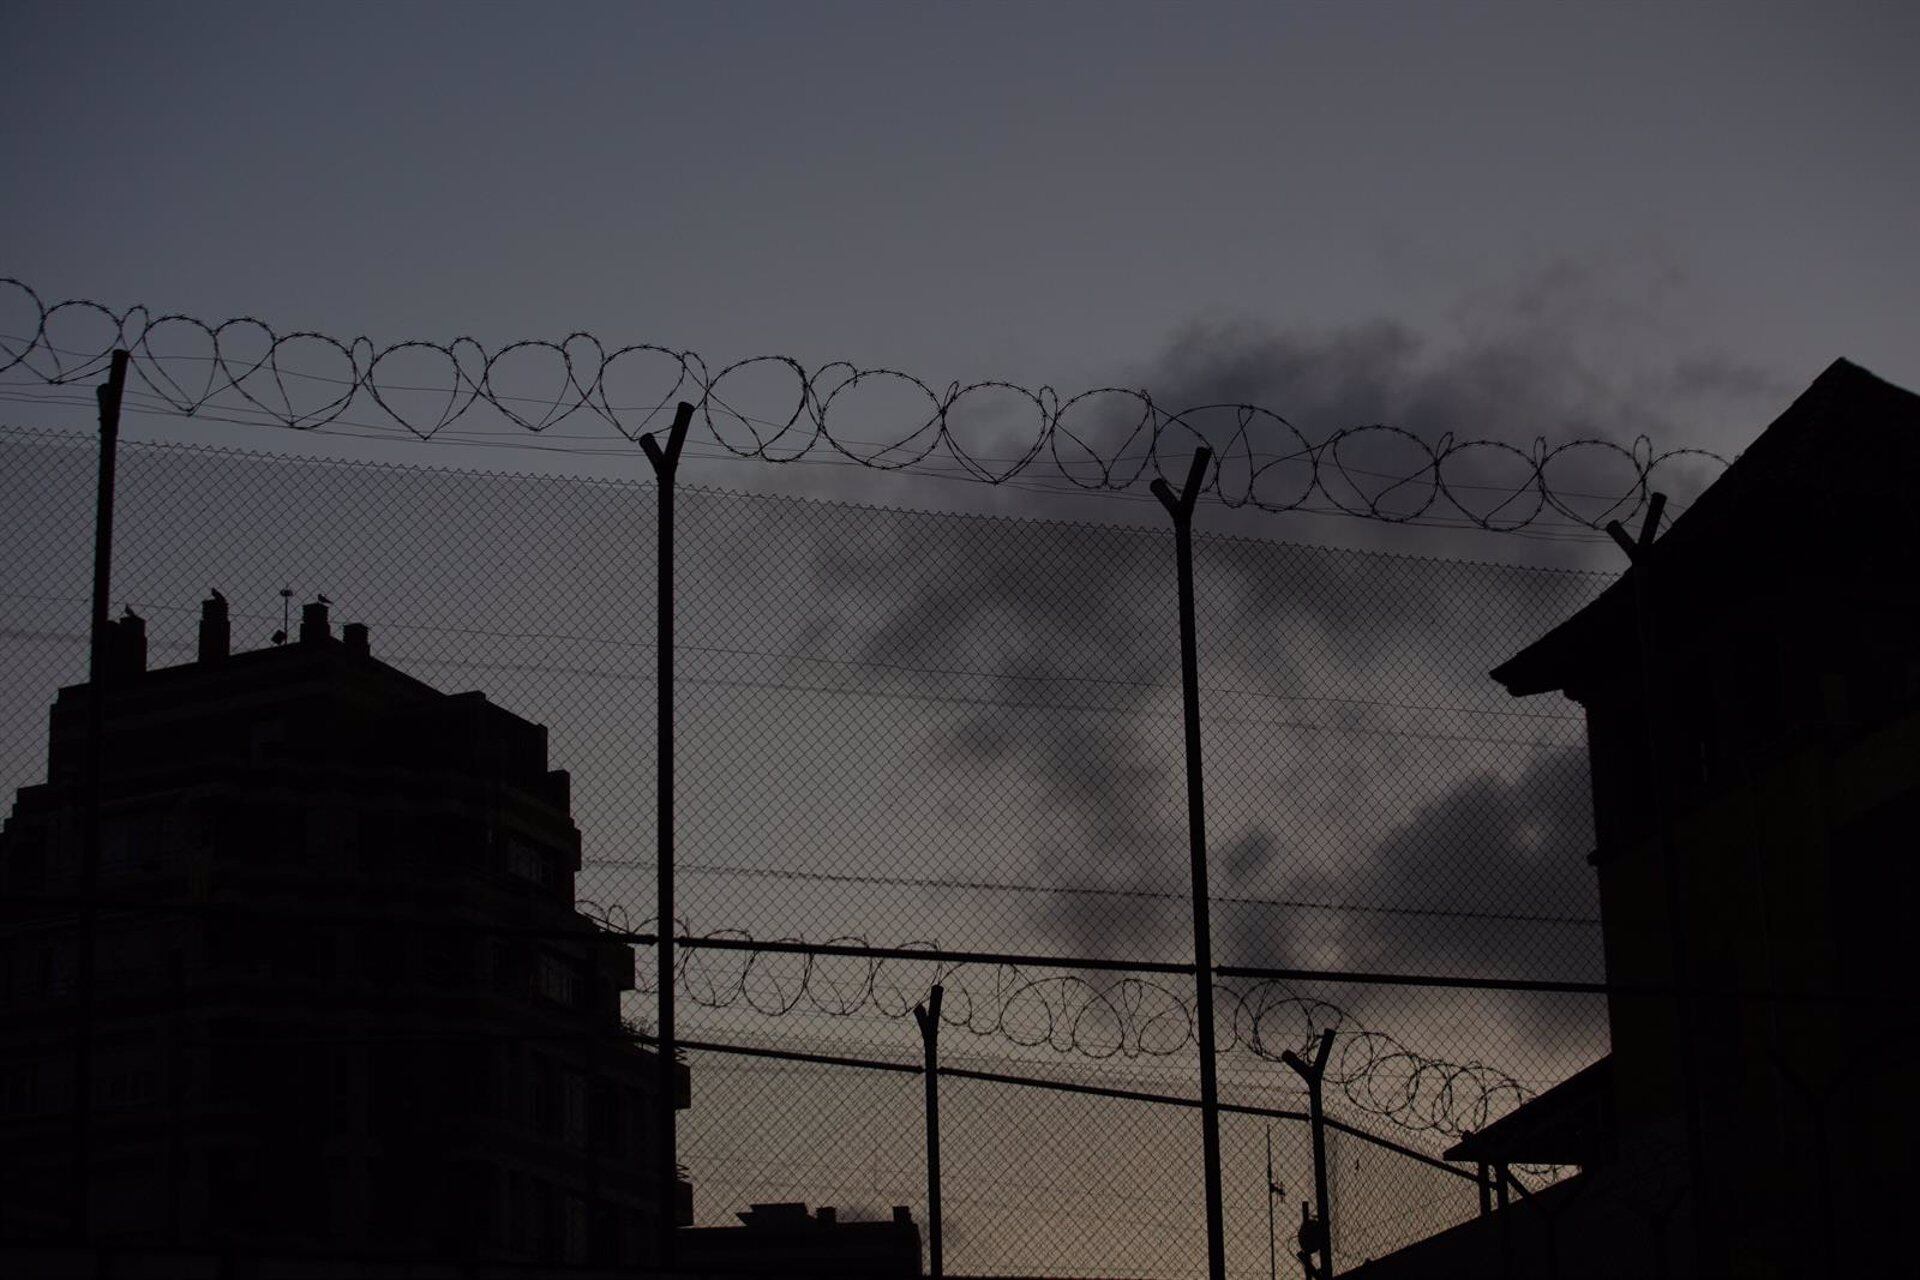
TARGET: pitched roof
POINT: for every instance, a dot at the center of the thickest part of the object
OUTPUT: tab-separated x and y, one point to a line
1568	1124
1824	496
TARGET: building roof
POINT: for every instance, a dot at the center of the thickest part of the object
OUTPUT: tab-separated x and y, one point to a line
787	1241
1821	500
1568	1124
320	697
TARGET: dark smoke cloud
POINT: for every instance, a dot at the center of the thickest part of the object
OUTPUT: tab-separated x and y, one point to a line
1453	882
1519	369
1074	631
1500	834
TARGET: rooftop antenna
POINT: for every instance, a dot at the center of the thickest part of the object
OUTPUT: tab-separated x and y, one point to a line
286	615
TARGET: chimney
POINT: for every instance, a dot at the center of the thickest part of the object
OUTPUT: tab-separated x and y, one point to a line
826	1214
126	646
356	638
313	623
216	635
902	1214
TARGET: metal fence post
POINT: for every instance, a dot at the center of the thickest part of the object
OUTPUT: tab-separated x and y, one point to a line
666	1165
1314	1074
93	799
1274	1191
1180	507
928	1016
1654	721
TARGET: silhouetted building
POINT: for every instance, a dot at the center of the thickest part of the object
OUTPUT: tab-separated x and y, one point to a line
342	999
1752	693
785	1241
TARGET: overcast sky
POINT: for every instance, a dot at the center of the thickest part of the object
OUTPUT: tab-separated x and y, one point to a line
1486	220
1043	193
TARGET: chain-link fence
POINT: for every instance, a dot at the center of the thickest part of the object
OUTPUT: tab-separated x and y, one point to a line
902	732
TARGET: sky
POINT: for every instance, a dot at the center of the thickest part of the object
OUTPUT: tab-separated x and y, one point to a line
1042	194
1485	221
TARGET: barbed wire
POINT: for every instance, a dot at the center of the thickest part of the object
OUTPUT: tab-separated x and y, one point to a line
1126	1017
1103	439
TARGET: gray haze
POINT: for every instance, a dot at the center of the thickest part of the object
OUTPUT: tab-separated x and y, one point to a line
1041	194
1503	222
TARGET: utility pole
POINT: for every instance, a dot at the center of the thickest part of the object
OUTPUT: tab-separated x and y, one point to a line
93	799
1273	1189
1180	507
1314	1075
1653	698
928	1016
666	463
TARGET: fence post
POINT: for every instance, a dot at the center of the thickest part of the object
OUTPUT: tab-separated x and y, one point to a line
1314	1074
1505	1219
1274	1191
1653	701
928	1016
93	799
666	463
1180	507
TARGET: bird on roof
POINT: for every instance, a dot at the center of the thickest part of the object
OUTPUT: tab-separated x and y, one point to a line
126	612
215	592
322	599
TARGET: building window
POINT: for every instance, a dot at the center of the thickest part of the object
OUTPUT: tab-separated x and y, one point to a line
342	1111
449	957
129	848
126	1077
529	861
260	833
558	979
27	860
519	1213
633	1118
546	1226
574	1231
131	958
267	741
383	955
604	1118
513	968
573	1109
546	1102
606	1236
52	974
297	953
20	1089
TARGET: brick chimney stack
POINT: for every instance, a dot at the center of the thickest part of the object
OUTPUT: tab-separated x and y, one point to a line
126	646
216	632
356	638
313	623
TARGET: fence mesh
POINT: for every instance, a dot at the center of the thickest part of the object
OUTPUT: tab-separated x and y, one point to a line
920	730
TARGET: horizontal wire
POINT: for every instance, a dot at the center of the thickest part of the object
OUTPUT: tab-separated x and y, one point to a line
646	647
1131	440
1094	891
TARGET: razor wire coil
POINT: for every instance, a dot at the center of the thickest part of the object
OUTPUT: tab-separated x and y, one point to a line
1130	1017
1101	439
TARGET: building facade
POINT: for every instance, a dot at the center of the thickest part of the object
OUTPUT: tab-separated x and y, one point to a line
1752	695
340	998
786	1242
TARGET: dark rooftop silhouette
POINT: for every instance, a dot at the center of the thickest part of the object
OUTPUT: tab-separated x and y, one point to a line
344	1002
